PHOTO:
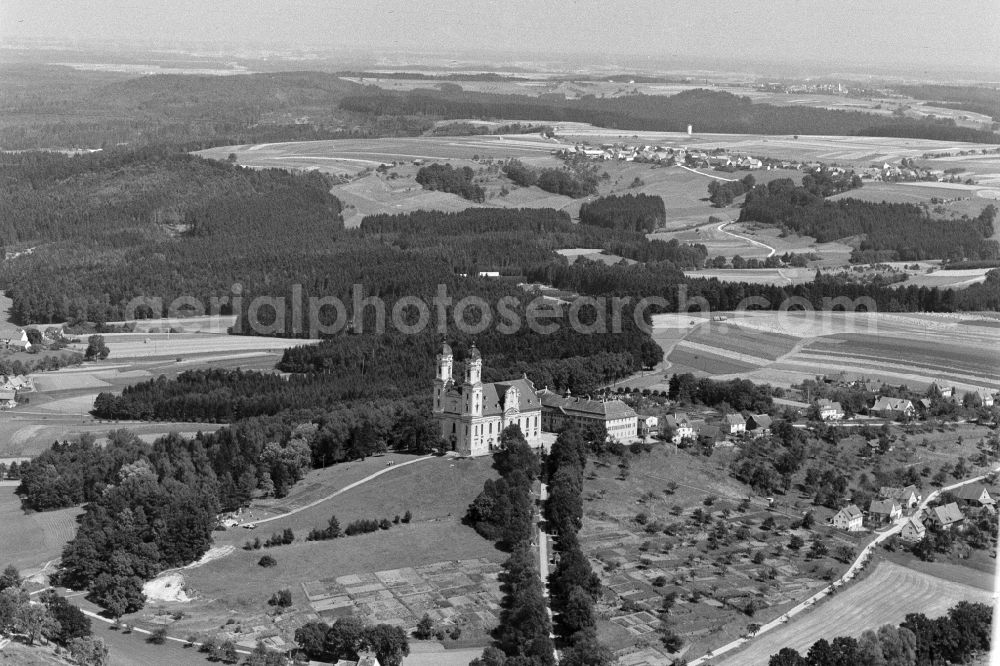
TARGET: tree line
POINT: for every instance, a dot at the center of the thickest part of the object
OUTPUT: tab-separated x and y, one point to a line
954	638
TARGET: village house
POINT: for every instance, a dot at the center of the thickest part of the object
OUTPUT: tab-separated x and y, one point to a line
735	424
884	511
760	424
943	389
829	410
973	494
893	408
913	530
948	516
849	518
682	426
8	399
907	497
561	411
648	425
985	397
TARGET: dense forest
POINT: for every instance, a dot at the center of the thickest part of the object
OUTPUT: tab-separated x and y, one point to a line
446	178
629	212
51	106
710	111
891	231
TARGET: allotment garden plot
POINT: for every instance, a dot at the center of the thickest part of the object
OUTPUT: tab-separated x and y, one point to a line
463	593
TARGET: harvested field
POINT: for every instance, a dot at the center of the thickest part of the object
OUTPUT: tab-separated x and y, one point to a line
30	540
785	347
867	604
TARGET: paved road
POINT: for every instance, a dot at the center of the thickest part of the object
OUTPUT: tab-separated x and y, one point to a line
749	240
543	560
851	572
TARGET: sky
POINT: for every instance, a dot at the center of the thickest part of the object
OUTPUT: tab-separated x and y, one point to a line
919	33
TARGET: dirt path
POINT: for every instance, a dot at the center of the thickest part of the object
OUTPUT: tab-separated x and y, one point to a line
338	492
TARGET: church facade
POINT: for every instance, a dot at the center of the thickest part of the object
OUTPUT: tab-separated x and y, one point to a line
472	414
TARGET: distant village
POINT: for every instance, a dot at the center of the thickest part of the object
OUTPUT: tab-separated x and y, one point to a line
722	159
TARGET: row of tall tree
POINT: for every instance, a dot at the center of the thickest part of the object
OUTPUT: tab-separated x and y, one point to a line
573	585
503	511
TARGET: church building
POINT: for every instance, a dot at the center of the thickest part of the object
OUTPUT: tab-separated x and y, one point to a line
473	414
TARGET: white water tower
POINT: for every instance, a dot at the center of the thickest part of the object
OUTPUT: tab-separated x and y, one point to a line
690	129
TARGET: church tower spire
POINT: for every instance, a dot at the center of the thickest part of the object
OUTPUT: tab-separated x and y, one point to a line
473	386
443	378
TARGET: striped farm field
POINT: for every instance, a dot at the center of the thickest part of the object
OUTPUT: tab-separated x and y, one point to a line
731	337
868	604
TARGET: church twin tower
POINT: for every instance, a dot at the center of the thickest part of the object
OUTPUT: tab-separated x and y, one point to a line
473	414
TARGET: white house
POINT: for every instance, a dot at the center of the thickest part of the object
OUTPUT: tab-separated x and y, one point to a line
735	424
947	516
985	397
892	408
682	426
913	530
829	410
849	518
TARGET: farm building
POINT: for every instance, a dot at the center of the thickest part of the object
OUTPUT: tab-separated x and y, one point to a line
947	516
829	410
735	423
893	408
913	530
849	518
908	497
884	511
760	424
558	411
974	494
472	415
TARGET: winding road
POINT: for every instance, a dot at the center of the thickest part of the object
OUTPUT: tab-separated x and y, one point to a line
749	240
